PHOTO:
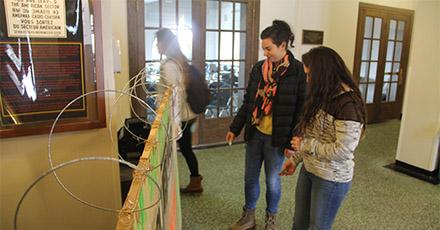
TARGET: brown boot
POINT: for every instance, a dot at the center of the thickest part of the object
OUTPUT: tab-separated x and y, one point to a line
270	221
194	186
247	220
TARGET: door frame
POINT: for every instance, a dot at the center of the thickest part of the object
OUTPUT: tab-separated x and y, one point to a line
207	129
378	111
212	131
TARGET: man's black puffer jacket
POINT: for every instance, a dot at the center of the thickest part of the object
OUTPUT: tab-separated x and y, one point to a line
286	107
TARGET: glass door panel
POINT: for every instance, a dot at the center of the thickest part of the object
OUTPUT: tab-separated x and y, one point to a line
225	56
394	55
370	55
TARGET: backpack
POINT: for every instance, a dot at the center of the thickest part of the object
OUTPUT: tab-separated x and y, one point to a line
127	142
197	91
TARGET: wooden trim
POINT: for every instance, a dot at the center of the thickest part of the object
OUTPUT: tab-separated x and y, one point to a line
136	48
99	63
405	58
386	8
198	51
75	124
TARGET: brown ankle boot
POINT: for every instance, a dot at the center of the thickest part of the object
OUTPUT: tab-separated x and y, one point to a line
270	221
247	220
194	186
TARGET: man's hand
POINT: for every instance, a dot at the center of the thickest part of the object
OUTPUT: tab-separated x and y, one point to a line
288	168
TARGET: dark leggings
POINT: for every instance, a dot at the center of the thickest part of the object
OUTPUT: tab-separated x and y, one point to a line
185	144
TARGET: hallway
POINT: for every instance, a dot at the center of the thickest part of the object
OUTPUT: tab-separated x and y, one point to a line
379	199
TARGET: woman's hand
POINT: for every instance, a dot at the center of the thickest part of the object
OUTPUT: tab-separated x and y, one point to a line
288	152
288	168
230	137
296	143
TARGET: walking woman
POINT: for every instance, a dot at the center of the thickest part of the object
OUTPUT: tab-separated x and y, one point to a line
173	71
274	97
331	126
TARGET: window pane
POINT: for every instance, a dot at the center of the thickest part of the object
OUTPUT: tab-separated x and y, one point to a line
152	70
239	75
240	16
395	77
392	32
388	66
385	96
226	45
185	13
393	91
151	52
364	72
363	88
400	30
185	41
373	72
366	49
151	8
226	72
386	78
398	52
368	27
212	15
377	27
211	74
211	45
224	102
390	51
169	14
370	93
396	67
211	108
237	101
375	50
239	46
227	15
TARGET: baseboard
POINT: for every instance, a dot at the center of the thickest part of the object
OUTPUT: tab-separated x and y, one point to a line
422	174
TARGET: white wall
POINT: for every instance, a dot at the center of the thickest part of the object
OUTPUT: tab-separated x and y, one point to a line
23	159
276	9
338	20
421	109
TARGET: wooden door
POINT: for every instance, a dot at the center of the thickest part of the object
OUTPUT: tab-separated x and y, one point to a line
230	49
381	58
219	37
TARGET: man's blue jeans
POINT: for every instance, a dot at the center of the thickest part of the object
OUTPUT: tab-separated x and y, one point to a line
259	149
317	201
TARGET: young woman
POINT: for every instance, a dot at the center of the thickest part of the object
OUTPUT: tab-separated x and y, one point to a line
274	97
331	125
173	72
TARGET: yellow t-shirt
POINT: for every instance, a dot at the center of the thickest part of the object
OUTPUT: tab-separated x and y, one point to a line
265	125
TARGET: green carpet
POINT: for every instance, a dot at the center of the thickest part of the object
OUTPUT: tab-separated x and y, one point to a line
380	198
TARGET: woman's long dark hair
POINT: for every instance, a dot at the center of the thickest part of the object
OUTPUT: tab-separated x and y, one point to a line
327	73
279	32
172	48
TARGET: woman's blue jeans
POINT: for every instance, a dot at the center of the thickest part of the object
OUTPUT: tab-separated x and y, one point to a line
259	149
317	201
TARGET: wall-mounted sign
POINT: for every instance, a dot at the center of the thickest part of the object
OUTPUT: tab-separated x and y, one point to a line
36	18
312	37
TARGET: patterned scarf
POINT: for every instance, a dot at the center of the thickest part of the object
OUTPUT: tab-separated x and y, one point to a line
268	89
